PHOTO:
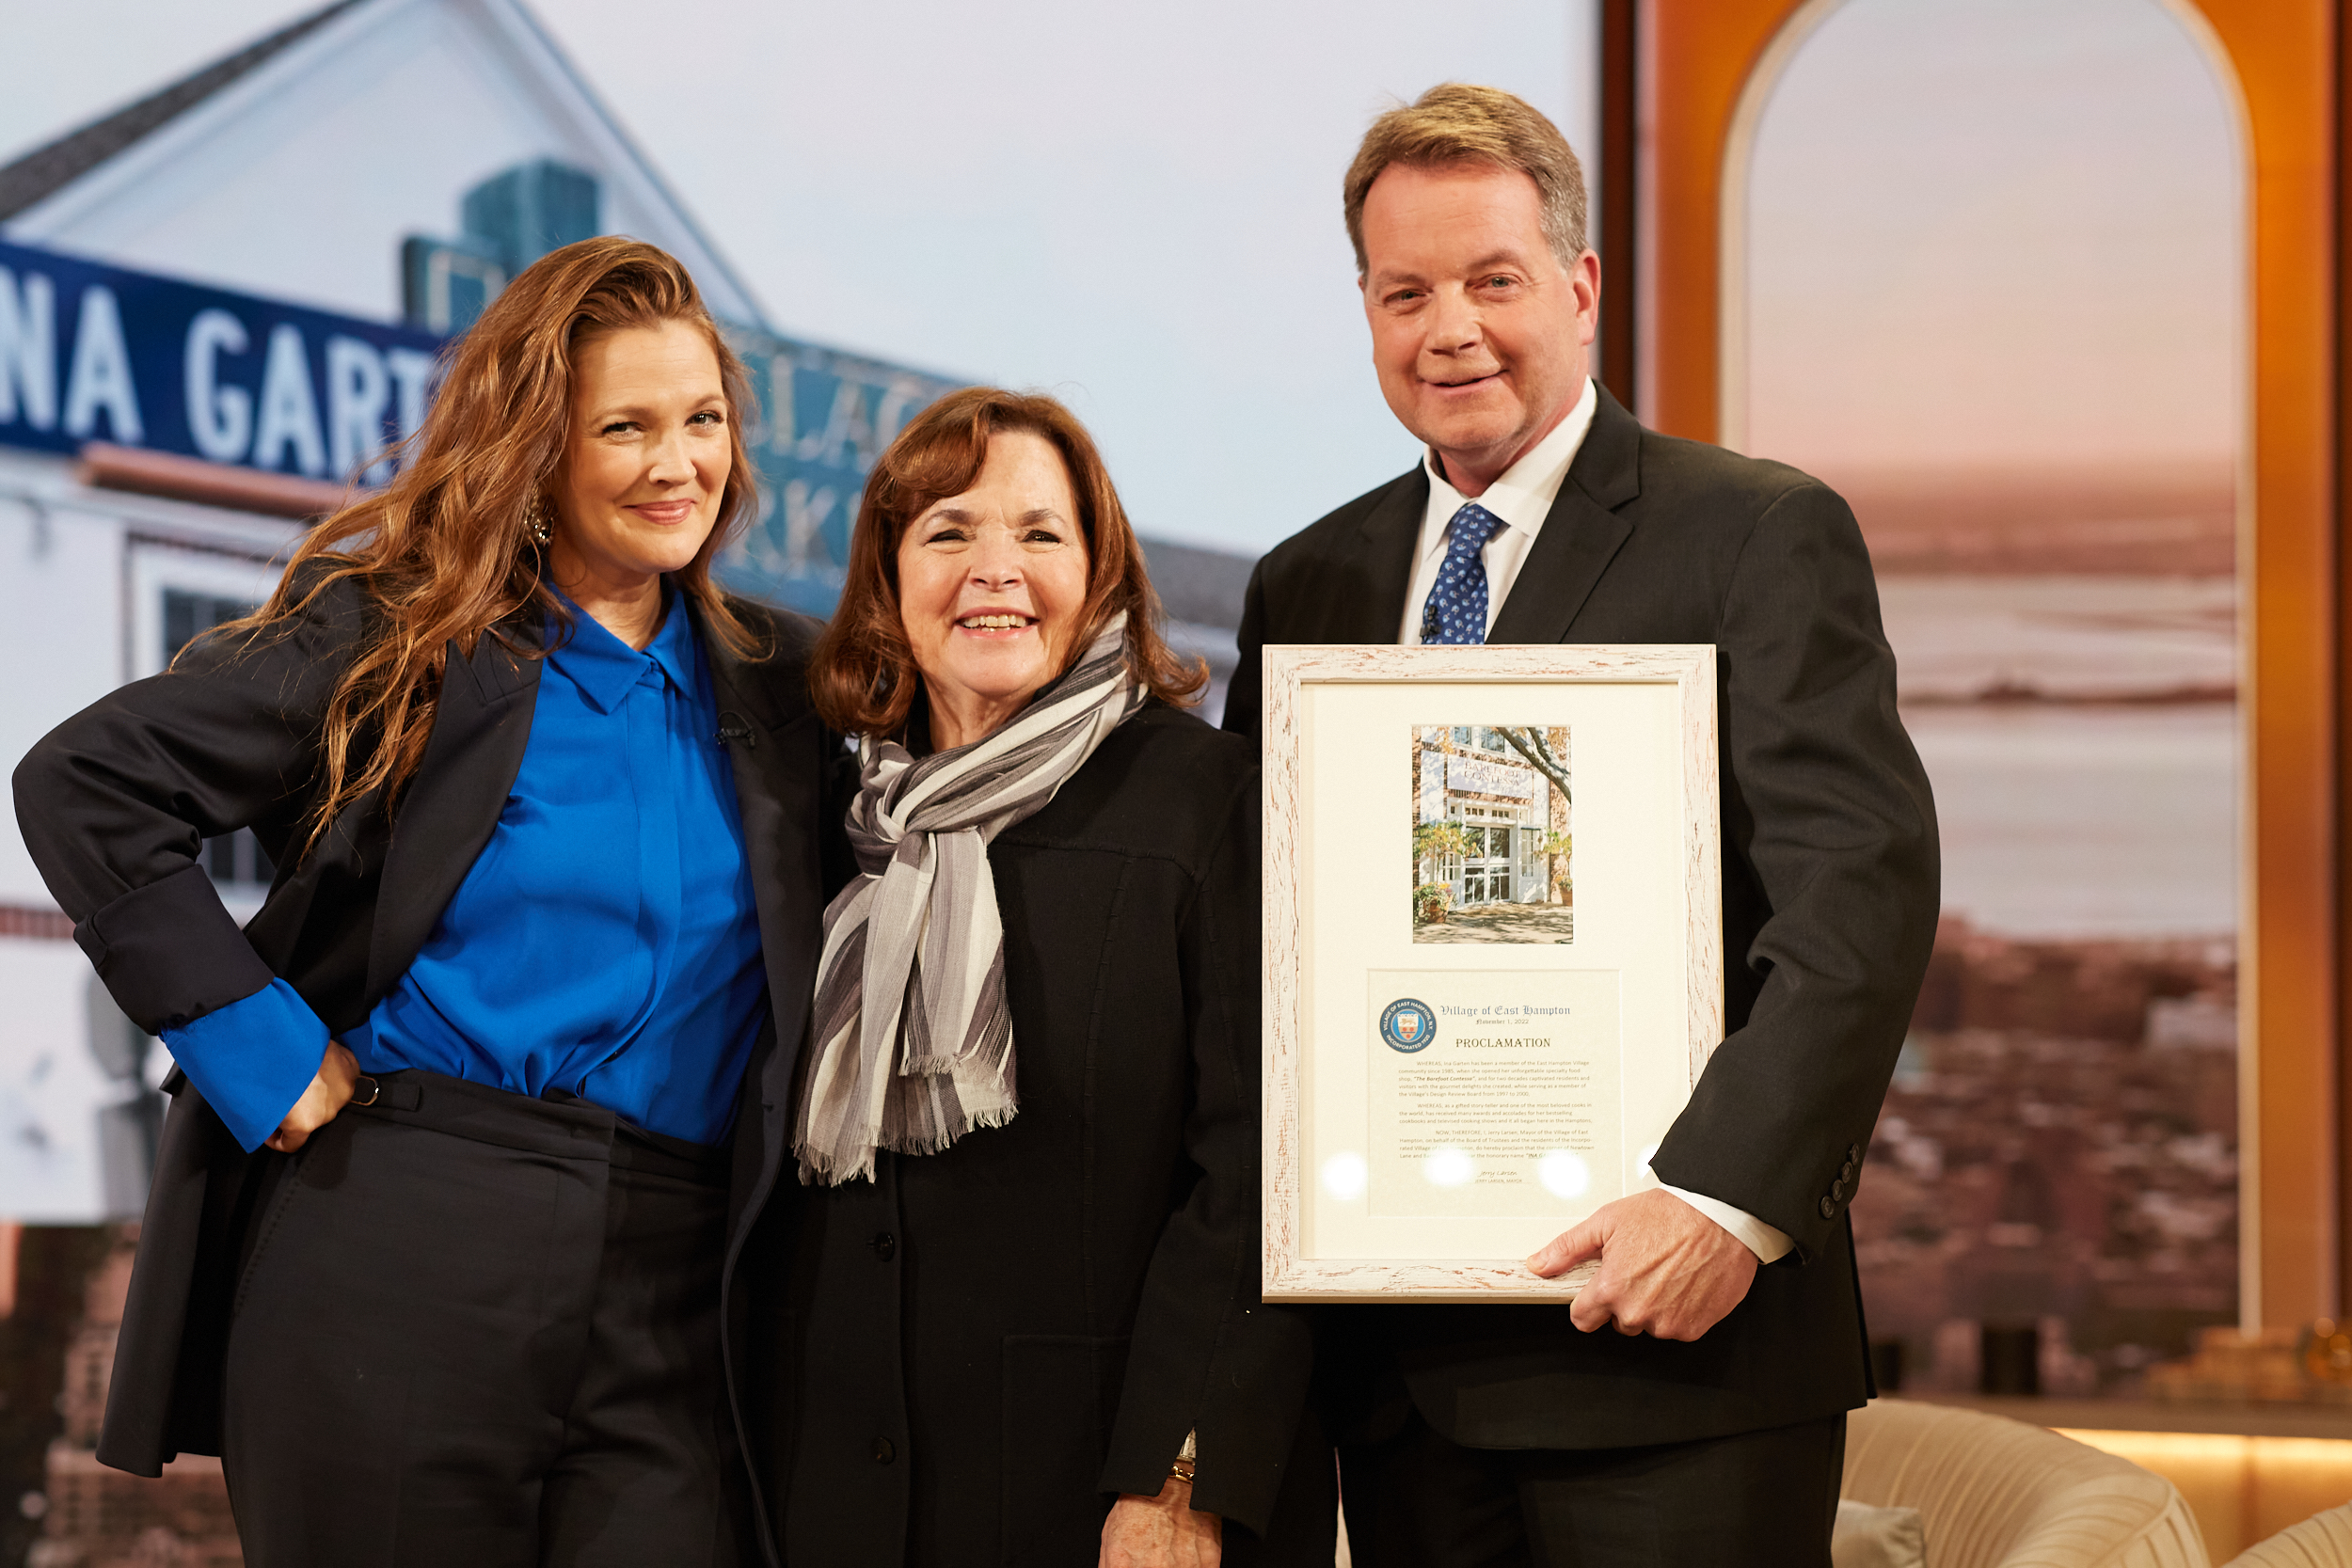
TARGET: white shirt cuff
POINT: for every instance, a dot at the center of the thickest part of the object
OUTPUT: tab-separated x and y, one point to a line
1769	1246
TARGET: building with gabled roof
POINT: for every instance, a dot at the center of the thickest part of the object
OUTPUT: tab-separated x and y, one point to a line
56	164
295	166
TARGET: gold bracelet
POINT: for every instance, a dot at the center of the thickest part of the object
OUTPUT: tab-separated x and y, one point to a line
1181	1470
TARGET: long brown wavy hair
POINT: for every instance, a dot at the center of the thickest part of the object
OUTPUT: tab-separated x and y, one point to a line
444	555
863	674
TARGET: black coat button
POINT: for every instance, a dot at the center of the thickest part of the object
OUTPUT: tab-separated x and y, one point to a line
884	1451
1829	1208
885	1245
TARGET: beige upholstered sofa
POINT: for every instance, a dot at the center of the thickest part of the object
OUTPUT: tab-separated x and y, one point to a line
1994	1492
2322	1540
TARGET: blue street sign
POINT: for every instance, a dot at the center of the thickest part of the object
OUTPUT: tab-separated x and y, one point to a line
826	417
94	352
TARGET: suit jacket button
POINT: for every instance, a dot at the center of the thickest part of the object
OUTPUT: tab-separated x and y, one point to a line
885	1245
1829	1208
1854	1152
884	1451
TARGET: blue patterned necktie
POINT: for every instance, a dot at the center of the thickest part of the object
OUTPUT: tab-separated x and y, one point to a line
1457	611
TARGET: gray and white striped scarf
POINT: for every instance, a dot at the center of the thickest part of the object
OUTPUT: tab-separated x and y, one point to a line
913	1044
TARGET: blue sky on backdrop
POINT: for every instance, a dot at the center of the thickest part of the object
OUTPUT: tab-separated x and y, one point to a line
1136	208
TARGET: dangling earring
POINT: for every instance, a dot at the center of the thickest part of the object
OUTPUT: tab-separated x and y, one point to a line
540	521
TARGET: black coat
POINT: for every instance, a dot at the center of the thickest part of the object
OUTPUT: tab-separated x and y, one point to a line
116	802
981	1346
1830	894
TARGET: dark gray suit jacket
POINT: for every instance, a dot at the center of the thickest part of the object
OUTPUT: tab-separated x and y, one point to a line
1830	896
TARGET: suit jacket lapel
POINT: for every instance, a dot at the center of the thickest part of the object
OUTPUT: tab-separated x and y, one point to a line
1370	608
481	724
1580	534
769	727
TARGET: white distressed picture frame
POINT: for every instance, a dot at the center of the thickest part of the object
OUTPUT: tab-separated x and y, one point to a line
1680	675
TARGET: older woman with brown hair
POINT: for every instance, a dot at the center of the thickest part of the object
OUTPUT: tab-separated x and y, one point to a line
1019	1306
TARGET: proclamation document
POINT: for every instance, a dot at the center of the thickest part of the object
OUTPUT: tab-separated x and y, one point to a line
1494	1092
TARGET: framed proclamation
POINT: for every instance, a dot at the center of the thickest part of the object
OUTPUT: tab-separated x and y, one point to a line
1493	952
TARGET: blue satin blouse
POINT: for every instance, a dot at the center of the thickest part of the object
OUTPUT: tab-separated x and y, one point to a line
605	941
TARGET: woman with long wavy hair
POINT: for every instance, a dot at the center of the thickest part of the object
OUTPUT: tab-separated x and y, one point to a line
433	1253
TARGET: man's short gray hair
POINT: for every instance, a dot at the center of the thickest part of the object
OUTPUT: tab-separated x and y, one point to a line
1454	122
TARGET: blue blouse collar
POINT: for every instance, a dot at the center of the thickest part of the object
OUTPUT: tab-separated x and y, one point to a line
604	667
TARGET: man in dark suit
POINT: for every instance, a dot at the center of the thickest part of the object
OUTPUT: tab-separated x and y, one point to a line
1690	1407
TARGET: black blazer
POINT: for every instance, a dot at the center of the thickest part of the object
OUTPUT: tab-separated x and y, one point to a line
982	1345
116	802
1830	895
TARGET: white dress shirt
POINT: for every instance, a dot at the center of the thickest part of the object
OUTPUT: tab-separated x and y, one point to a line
1522	498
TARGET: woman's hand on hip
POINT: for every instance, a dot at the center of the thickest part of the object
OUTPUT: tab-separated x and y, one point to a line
1161	1533
330	1090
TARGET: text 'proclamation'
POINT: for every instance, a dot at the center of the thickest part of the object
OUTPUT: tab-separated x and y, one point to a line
1494	1092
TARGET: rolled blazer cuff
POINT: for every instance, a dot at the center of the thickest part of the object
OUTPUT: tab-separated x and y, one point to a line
170	953
253	1059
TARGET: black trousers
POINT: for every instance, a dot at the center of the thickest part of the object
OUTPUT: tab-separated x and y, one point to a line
1766	1498
474	1329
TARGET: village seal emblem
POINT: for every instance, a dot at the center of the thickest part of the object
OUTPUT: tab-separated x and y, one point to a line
1409	1026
